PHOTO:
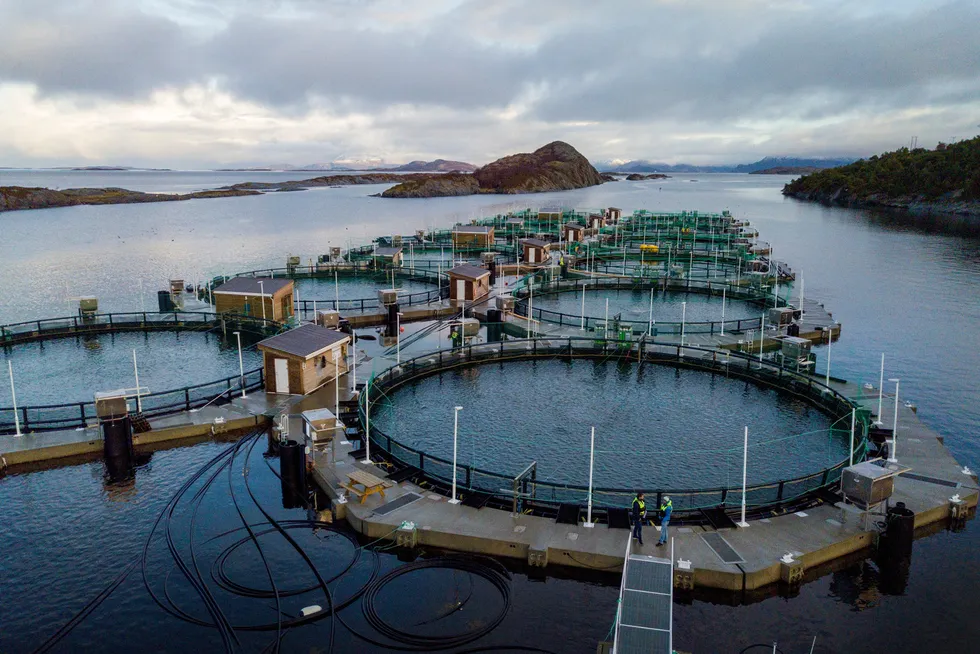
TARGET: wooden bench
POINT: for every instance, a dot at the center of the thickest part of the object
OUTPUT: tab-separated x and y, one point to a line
368	483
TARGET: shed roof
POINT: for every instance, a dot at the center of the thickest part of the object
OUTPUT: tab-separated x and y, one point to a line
250	285
535	242
472	229
574	226
468	271
304	341
387	252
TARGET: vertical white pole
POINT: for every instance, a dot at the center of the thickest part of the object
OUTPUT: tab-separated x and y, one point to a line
745	472
530	303
881	390
893	456
588	514
829	341
724	290
801	291
683	320
367	423
583	307
136	372
262	298
453	500
336	383
851	450
13	397
762	335
398	338
353	365
241	365
607	319
650	317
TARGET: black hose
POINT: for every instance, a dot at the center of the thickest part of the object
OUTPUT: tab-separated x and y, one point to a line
93	604
408	641
258	547
299	550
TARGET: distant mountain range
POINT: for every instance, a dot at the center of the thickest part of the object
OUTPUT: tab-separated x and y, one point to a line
370	164
643	166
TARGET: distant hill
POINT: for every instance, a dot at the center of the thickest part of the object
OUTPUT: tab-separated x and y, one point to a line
946	180
553	167
437	166
642	166
786	170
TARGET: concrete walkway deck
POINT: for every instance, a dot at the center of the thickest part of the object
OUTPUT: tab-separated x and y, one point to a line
813	539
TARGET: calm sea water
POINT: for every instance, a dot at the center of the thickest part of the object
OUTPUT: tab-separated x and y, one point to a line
656	426
899	284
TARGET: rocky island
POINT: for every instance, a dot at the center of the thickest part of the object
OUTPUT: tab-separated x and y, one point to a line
944	180
639	177
13	198
553	167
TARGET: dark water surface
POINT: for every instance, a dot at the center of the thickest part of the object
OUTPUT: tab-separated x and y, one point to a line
657	427
899	284
72	369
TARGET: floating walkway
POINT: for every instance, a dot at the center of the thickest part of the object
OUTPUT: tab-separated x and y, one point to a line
787	549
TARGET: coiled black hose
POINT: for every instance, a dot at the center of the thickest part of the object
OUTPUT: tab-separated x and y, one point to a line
492	572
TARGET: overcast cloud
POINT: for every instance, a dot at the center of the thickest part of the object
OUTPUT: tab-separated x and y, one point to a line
189	83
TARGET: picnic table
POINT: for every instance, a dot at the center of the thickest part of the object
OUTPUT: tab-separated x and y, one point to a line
363	483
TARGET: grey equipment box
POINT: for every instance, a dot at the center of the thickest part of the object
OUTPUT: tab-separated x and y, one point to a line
781	316
867	484
795	347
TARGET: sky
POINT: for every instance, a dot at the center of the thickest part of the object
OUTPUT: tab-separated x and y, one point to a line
209	83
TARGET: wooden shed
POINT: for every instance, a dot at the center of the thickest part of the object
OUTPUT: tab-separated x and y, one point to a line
468	282
549	214
473	236
574	232
535	250
258	297
614	214
303	359
597	221
387	257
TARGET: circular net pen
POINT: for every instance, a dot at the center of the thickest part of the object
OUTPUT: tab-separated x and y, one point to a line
738	308
521	461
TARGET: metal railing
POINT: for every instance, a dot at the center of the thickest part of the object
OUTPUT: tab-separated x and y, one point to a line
103	323
767	373
687	285
73	415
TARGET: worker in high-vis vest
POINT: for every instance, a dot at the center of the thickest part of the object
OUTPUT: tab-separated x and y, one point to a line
639	512
665	510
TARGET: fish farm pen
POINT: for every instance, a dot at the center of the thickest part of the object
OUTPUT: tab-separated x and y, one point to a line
500	390
670	428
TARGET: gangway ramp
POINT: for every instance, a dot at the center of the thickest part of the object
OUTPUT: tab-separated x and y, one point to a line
646	596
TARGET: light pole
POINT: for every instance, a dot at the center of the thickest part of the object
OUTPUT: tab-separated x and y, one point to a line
336	383
588	518
398	337
262	299
745	471
13	396
892	458
881	390
241	365
650	317
136	372
723	298
454	500
683	320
